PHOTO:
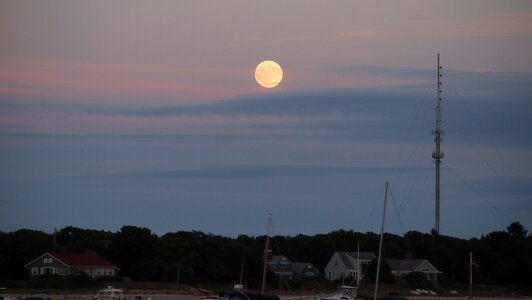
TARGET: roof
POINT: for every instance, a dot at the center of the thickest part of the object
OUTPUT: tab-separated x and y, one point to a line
407	265
300	267
291	267
82	259
277	258
88	259
349	257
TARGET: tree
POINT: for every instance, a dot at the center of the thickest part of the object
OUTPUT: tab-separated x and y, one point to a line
385	274
134	250
517	230
19	248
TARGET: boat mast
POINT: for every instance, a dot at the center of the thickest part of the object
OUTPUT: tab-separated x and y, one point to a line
358	265
242	269
470	275
266	255
380	242
437	155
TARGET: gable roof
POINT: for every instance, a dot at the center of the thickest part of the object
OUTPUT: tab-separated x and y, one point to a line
277	258
78	259
349	257
292	267
406	265
82	259
300	267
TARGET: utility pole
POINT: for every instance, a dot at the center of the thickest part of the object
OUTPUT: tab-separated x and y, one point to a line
437	154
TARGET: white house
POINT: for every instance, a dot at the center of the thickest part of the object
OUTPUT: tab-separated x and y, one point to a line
401	267
72	263
344	264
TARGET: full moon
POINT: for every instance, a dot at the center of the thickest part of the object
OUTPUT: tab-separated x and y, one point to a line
268	74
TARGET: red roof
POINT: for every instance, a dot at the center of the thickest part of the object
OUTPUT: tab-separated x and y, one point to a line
82	259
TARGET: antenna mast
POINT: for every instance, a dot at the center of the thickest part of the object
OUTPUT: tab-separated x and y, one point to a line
437	155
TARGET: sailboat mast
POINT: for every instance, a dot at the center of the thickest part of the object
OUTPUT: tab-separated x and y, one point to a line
470	275
437	154
266	255
242	269
358	265
380	242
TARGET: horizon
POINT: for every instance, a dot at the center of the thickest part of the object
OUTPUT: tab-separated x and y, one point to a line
149	114
235	236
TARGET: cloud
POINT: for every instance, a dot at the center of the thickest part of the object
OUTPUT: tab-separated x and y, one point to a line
104	81
477	106
253	171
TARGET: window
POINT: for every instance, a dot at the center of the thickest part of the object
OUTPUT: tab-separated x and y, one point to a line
329	275
284	264
335	263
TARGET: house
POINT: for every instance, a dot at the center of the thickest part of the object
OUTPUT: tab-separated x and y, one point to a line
401	267
344	264
284	267
73	264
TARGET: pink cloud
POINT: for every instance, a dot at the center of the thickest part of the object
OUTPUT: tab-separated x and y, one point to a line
492	25
103	81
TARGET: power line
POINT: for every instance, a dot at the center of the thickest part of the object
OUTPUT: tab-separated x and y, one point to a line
474	190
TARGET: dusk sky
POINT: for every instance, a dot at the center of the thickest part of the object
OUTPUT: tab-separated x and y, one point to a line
147	113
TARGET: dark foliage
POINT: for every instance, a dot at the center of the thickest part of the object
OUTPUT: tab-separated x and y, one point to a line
501	257
385	275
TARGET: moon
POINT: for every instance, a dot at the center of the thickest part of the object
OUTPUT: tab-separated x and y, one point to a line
268	74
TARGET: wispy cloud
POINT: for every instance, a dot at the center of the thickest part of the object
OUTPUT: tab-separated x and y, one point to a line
101	82
249	171
490	25
473	101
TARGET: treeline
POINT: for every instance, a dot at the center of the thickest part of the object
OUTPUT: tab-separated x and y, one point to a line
501	257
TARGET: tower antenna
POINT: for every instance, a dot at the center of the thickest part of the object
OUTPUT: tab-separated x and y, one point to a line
437	154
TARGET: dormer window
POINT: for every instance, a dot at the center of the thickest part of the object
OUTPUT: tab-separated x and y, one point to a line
284	264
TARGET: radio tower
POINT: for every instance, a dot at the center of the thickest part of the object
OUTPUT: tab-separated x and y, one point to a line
437	155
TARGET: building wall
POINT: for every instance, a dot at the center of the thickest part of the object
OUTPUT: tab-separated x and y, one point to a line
308	272
426	268
47	265
335	268
94	271
361	263
429	270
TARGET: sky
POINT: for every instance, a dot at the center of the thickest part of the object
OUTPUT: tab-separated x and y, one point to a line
140	113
